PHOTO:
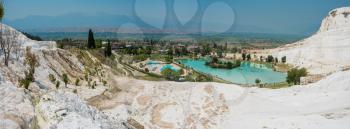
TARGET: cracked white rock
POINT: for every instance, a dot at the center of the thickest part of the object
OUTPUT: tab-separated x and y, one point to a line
63	109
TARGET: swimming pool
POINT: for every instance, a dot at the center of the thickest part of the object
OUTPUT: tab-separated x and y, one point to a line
247	73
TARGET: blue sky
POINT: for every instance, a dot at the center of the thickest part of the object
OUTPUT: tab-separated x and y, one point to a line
274	16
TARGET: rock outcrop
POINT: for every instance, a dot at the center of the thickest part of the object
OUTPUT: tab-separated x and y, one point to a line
62	110
58	107
16	109
337	19
326	51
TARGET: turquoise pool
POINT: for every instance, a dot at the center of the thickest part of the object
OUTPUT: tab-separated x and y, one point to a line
246	74
168	66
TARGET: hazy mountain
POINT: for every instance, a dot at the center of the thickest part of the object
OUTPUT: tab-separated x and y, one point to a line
102	22
72	20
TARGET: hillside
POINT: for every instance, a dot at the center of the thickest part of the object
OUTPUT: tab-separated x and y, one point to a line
43	104
124	102
326	51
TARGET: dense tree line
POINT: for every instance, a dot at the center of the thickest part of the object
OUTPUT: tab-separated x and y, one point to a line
216	63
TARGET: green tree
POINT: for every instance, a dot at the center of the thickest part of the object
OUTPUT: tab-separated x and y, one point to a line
169	59
170	74
206	50
91	40
284	59
249	57
108	49
148	50
2	11
270	59
170	51
229	65
294	75
244	56
215	60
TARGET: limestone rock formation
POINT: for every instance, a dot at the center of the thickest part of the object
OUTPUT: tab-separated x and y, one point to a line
326	51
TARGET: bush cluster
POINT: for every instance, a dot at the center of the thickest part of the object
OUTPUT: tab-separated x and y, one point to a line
295	74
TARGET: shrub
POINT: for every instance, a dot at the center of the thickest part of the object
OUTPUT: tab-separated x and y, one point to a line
94	85
75	91
209	78
141	57
257	81
65	79
201	78
146	70
58	84
32	61
169	59
25	83
104	82
86	77
89	83
77	81
295	74
189	78
52	78
170	74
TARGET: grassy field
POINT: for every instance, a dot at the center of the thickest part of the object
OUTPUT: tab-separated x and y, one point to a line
277	85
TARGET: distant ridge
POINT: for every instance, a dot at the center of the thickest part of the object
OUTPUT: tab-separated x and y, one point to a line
103	22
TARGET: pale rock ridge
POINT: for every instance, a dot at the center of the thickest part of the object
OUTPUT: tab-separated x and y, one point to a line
62	109
16	110
337	19
24	41
326	51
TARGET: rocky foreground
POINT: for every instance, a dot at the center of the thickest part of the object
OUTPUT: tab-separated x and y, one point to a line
128	103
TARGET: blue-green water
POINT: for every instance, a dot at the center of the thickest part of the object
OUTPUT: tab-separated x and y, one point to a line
247	73
168	66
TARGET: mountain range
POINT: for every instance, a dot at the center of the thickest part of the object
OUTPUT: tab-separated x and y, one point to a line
103	22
